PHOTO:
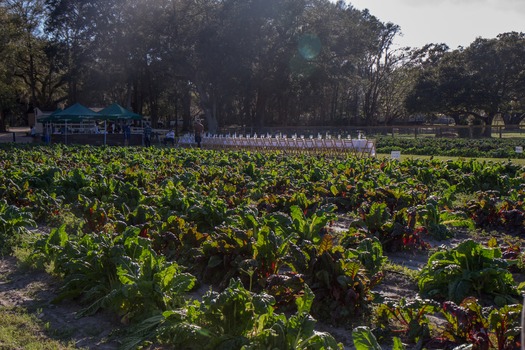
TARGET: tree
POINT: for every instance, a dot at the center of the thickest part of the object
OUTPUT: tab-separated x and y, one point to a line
9	85
377	67
481	82
249	62
36	63
499	66
69	24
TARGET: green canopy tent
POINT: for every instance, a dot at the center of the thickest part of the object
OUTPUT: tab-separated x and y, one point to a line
117	112
74	113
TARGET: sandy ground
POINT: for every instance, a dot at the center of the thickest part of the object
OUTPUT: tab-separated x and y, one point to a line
34	291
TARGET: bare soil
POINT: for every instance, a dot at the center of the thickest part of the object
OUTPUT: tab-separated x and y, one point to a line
35	291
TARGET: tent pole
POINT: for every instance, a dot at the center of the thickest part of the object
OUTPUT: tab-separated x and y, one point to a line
105	131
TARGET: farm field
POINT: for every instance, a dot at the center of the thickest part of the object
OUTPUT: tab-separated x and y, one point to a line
504	148
197	249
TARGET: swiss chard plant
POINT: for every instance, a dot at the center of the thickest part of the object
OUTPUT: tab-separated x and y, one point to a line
407	319
429	216
484	327
235	319
470	269
364	339
309	226
341	286
395	231
116	272
14	223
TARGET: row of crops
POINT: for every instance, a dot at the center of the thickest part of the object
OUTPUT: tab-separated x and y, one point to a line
480	148
279	242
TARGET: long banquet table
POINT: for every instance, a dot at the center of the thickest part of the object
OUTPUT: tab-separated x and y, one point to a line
360	146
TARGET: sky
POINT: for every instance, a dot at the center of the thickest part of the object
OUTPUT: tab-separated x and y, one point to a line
453	22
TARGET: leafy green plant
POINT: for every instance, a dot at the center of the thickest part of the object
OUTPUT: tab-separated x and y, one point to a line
364	339
14	223
235	319
270	251
376	216
268	219
223	255
341	286
467	270
179	240
149	283
407	318
487	147
430	217
309	226
485	209
395	231
117	272
369	252
488	327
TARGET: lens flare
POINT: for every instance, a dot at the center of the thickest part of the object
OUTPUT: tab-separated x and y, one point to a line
309	46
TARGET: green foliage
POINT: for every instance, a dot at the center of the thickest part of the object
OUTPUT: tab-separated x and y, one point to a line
395	232
137	221
503	148
364	339
236	318
341	286
467	270
369	252
14	223
483	327
430	217
116	272
407	318
309	227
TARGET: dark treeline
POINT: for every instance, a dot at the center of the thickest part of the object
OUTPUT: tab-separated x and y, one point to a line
255	63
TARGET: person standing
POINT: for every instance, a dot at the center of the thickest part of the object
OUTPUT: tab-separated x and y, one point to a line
147	135
199	129
127	134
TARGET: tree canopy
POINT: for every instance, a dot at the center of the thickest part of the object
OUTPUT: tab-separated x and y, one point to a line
253	63
480	82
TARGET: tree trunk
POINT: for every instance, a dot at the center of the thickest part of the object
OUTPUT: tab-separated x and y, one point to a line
487	129
260	107
463	132
2	121
186	110
205	103
512	120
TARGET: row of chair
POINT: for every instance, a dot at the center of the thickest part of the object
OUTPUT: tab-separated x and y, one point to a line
331	146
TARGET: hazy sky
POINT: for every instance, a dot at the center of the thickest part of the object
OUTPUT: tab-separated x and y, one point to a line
453	22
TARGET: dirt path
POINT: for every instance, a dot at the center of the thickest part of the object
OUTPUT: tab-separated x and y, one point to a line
35	291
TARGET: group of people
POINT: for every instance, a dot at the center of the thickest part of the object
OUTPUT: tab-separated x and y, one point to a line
169	138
